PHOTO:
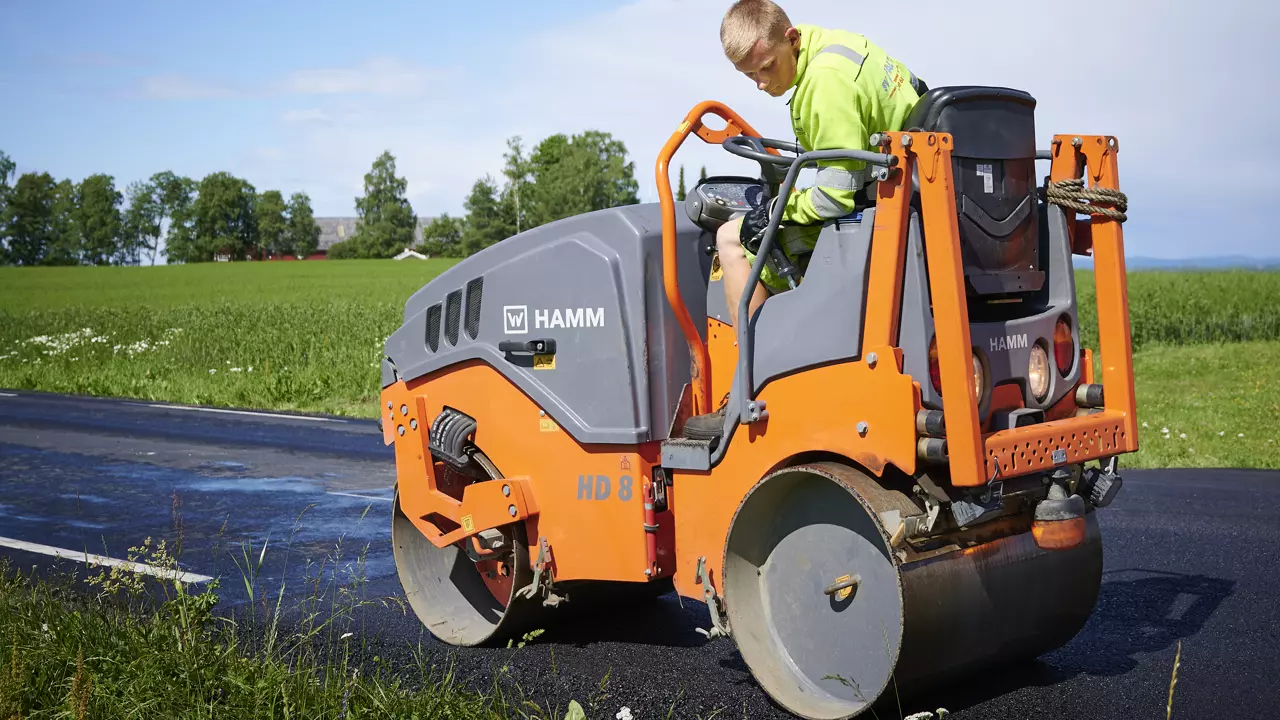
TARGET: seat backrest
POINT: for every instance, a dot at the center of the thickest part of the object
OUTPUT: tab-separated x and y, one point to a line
993	130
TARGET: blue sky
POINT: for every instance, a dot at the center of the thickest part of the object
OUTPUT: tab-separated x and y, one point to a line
303	96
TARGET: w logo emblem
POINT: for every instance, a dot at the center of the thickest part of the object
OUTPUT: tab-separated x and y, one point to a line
515	319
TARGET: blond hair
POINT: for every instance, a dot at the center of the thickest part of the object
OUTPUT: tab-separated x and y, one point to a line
748	22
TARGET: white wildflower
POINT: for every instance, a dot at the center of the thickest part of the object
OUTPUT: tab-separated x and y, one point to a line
1144	424
1183	436
1164	430
235	369
250	368
1221	433
212	371
44	627
1240	435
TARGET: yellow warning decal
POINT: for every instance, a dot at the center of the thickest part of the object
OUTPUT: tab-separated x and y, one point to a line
468	524
716	271
547	425
843	593
544	362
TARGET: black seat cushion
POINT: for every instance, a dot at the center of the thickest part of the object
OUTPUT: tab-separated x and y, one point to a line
993	131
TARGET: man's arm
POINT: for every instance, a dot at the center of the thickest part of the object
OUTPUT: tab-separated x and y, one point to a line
831	109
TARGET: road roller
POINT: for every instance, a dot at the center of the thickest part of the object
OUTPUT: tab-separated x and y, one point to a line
886	477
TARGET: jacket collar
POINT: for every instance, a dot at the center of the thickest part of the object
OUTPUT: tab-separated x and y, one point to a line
808	45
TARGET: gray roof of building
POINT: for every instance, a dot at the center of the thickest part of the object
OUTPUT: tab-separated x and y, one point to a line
337	229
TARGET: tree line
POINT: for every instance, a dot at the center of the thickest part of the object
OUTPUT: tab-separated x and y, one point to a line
44	221
562	175
48	222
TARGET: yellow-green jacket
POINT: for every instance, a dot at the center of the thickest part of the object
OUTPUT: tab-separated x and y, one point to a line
846	89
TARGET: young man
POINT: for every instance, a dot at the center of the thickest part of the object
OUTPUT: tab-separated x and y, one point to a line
846	89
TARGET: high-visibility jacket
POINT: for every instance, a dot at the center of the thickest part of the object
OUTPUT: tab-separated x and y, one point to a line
846	89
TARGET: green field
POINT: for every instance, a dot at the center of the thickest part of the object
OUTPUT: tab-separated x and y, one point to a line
308	336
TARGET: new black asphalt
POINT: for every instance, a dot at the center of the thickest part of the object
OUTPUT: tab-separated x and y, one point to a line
1190	557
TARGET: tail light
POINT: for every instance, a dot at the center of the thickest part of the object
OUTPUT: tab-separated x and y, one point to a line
1063	346
935	371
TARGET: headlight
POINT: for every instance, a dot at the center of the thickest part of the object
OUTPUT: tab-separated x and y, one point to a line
978	380
1038	372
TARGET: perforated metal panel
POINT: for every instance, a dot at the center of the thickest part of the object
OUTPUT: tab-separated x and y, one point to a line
433	327
474	290
452	316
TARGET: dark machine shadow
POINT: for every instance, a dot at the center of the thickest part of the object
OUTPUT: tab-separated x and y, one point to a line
1132	616
666	620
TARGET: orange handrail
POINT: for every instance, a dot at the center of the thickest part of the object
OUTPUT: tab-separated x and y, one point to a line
735	125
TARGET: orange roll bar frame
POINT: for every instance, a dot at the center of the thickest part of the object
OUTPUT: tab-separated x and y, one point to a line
974	459
735	126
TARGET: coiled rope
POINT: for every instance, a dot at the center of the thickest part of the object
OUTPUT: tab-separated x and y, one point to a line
1071	194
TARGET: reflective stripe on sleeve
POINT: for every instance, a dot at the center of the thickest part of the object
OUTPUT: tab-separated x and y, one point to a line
841	179
825	205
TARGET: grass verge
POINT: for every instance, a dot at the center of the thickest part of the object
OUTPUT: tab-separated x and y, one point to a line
1208	406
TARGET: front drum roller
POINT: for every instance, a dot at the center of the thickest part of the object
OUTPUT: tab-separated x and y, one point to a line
826	615
463	601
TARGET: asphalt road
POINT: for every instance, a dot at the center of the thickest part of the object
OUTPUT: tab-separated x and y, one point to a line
1191	557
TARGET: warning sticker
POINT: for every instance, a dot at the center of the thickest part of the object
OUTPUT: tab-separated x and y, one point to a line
468	524
988	178
547	425
544	362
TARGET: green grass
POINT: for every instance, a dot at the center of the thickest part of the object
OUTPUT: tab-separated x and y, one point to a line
291	336
143	648
1225	399
308	336
1188	307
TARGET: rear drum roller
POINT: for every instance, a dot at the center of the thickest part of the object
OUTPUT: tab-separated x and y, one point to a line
464	598
813	595
827	615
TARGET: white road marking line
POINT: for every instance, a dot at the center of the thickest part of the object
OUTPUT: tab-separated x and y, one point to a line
362	497
7	395
247	412
103	560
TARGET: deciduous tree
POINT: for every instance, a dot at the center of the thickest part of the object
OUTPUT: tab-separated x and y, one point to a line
487	223
96	219
141	222
269	214
28	218
224	217
302	236
387	221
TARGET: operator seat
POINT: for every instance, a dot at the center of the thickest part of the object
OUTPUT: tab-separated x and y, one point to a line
993	161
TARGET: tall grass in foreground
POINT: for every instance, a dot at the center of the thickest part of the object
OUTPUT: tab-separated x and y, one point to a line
141	651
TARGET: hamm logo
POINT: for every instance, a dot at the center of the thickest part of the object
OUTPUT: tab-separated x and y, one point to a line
515	319
1008	342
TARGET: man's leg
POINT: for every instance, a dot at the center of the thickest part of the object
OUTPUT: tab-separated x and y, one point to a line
733	260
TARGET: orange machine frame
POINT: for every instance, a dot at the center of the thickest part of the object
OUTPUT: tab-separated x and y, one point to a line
974	459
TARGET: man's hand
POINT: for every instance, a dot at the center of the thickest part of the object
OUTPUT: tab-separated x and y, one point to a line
753	225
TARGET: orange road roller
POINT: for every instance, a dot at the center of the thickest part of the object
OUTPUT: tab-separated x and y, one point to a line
896	461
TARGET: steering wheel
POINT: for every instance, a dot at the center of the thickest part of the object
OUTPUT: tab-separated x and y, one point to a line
773	168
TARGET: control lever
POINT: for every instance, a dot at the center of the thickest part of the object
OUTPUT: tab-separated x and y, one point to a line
544	346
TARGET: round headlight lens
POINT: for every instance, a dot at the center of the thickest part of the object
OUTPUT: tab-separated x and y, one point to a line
1038	372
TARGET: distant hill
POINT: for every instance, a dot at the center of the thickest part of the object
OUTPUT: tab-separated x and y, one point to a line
1222	262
